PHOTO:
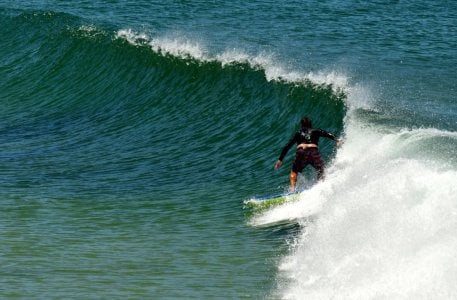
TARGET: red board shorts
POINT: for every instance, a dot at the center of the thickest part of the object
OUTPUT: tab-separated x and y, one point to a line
306	157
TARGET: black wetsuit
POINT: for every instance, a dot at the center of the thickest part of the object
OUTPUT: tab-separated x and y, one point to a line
310	155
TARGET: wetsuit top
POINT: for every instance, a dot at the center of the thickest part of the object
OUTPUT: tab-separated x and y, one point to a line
306	136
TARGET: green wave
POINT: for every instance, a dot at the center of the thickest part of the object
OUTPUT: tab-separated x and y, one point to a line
95	110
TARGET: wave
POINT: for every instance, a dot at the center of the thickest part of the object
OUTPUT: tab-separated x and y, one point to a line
186	49
68	82
46	30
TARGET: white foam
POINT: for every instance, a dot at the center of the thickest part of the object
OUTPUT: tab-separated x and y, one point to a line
174	46
132	37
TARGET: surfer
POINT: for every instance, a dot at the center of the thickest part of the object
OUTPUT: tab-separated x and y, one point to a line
307	139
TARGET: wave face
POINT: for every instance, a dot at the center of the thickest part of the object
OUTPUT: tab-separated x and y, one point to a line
142	114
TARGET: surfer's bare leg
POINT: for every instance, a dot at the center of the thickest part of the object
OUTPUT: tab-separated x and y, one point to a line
293	181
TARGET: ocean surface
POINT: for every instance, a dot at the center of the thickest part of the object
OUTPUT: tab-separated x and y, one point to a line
133	132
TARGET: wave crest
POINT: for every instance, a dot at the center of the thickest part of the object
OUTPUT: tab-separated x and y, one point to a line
274	71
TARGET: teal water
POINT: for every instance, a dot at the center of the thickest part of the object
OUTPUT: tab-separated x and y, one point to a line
132	132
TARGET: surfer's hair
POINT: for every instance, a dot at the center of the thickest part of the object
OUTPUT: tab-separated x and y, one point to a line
306	123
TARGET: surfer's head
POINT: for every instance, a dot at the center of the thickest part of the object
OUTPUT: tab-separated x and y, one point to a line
306	123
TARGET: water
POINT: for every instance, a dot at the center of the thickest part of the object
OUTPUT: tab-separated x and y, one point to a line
131	132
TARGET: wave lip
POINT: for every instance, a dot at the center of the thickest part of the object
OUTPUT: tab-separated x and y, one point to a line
186	49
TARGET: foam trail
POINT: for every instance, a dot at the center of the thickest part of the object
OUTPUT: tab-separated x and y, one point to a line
308	204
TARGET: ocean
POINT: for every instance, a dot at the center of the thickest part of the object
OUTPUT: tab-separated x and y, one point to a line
132	133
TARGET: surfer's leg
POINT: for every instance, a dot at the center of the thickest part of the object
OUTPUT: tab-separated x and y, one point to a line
297	167
293	181
318	164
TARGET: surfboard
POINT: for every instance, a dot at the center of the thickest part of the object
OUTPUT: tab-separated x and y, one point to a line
265	202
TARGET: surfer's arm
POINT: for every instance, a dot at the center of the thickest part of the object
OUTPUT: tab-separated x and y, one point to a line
285	149
326	134
331	136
